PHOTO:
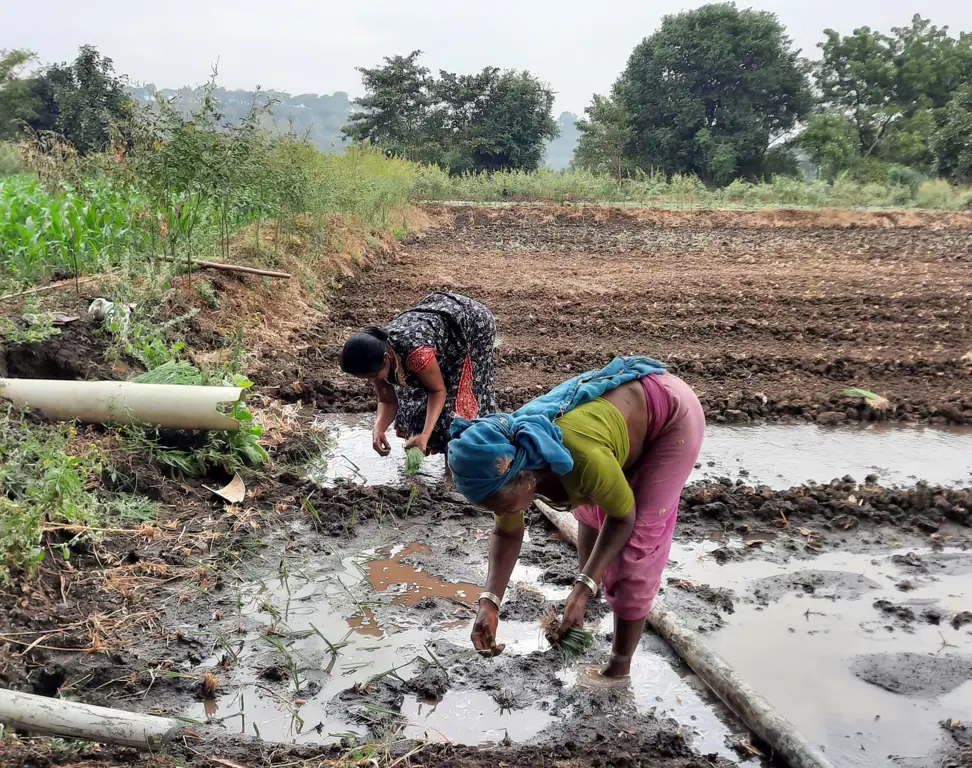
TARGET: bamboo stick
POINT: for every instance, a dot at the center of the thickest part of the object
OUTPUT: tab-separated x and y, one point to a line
757	713
233	268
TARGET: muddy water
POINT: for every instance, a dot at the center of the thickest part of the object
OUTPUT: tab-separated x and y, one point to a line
778	455
365	603
801	649
298	610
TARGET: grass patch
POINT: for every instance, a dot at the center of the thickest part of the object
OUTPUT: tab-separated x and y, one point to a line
49	476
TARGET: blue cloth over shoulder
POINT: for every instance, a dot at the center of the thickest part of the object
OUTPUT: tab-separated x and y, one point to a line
486	453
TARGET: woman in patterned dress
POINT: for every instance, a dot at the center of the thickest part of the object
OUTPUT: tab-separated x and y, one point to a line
430	364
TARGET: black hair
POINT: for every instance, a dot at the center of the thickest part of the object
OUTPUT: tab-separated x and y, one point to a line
364	353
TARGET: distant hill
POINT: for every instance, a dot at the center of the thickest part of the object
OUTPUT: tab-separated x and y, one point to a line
560	151
320	116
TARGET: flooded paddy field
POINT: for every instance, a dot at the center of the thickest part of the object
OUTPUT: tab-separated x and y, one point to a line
824	547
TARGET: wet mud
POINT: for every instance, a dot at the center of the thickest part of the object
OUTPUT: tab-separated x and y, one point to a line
756	330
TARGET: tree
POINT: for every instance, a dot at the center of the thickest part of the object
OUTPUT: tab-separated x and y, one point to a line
17	102
482	122
394	111
83	101
952	141
709	91
831	141
511	122
604	138
887	85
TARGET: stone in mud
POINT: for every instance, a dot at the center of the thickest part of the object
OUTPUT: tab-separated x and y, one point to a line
914	674
737	417
959	620
926	524
830	418
526	604
902	612
714	511
430	685
561	574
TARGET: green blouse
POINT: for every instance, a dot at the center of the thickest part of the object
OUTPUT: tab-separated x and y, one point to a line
596	435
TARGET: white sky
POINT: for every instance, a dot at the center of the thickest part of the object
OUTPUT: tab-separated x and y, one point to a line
305	46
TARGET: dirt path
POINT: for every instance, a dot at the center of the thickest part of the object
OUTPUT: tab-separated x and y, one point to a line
767	315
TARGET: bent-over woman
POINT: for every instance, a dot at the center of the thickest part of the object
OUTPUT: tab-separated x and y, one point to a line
615	445
428	365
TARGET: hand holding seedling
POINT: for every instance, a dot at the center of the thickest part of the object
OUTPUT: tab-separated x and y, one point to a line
421	442
574	611
484	630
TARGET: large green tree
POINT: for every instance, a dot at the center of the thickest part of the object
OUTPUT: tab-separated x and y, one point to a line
482	122
605	135
709	91
394	110
952	140
888	86
18	103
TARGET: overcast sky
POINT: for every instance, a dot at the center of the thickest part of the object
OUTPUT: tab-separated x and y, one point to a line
306	46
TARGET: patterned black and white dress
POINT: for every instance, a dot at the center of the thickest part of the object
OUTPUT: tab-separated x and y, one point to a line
461	335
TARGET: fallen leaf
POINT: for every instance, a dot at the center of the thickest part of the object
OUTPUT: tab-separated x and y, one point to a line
234	492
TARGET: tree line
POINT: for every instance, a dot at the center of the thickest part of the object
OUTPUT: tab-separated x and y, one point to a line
721	93
717	92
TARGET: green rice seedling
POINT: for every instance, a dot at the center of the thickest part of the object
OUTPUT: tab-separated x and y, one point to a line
289	659
413	461
412	498
876	401
573	645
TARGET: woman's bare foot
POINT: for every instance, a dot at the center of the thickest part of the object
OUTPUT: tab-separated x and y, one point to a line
618	667
589	677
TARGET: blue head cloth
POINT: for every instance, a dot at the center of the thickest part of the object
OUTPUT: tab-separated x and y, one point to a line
485	454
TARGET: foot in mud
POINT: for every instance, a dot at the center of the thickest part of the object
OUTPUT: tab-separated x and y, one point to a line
591	677
619	667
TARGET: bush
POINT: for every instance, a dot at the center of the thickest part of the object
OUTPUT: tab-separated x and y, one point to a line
938	194
10	160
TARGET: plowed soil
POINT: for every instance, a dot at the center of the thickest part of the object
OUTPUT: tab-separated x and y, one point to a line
768	315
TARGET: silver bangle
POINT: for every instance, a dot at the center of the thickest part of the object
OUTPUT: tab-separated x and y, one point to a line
587	581
494	599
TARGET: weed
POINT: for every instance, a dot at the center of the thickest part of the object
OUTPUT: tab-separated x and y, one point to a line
204	289
43	482
574	644
36	332
413	495
873	399
289	660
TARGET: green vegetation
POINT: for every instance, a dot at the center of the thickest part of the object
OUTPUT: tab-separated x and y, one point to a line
413	461
715	121
688	191
720	93
44	482
489	121
43	233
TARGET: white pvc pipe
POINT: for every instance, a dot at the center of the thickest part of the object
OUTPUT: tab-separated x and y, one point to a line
57	717
757	713
171	406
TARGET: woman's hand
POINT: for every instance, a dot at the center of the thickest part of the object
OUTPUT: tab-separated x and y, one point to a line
574	611
484	630
379	442
420	441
